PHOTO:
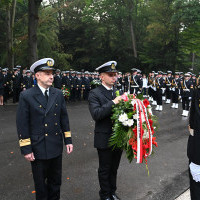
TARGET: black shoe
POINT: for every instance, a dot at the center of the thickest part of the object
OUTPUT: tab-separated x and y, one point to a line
114	197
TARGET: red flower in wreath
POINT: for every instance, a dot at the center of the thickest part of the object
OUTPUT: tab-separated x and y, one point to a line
146	102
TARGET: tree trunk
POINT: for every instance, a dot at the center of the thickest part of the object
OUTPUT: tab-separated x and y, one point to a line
8	38
193	60
33	18
10	19
133	39
12	29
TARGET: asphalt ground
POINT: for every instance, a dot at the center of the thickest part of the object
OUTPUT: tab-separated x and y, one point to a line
168	166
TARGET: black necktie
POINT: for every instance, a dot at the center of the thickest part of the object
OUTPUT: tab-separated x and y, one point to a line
46	95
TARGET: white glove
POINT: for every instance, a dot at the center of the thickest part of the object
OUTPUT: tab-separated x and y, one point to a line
195	171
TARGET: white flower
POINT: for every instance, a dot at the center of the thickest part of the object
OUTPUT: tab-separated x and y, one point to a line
125	123
123	117
130	122
145	135
133	102
135	116
150	110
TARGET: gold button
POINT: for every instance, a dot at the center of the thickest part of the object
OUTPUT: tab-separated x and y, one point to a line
46	125
55	114
40	106
46	134
56	104
56	124
56	133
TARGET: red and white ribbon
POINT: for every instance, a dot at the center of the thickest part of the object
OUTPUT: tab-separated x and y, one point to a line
142	112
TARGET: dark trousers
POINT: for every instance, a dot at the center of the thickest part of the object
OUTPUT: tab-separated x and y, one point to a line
154	95
73	94
78	94
47	178
134	90
16	93
108	165
168	93
86	93
159	97
185	103
194	188
144	91
175	97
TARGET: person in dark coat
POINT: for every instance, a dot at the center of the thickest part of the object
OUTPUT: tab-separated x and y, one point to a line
42	125
58	80
78	86
28	81
86	85
159	85
193	148
101	100
1	89
186	93
17	80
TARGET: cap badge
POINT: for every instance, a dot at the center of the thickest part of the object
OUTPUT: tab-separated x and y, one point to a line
113	66
49	63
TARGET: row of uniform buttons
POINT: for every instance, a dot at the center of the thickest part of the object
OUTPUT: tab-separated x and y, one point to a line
47	124
47	134
55	124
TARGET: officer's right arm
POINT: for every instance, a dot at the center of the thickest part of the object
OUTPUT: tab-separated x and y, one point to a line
97	110
23	125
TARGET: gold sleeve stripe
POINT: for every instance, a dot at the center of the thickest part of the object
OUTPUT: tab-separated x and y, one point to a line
67	134
24	142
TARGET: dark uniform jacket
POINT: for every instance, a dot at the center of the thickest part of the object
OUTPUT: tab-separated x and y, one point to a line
78	83
58	81
86	83
17	80
193	150
186	88
100	106
28	82
66	81
41	126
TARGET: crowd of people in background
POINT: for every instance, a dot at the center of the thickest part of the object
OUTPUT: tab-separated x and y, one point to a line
158	87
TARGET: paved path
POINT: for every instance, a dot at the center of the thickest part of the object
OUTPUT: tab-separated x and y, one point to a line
184	196
168	166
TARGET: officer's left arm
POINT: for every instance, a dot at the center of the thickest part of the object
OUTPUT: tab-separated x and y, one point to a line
65	122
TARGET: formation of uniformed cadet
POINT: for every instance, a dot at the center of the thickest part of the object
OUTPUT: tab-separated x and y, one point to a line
171	87
58	79
135	82
175	90
28	81
42	126
159	86
100	101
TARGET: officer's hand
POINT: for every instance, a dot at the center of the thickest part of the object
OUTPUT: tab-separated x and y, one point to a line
69	148
117	99
29	157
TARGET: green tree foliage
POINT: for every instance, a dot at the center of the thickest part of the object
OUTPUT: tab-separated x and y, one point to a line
83	34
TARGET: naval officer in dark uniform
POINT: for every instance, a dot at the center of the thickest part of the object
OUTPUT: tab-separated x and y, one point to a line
101	100
193	148
42	125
